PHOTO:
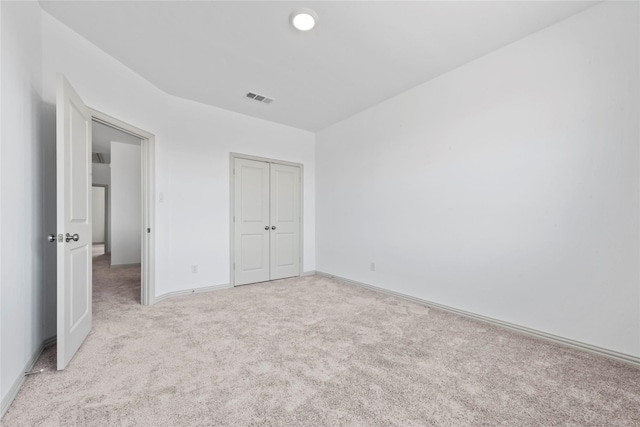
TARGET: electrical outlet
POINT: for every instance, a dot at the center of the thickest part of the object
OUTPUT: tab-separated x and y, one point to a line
373	266
194	268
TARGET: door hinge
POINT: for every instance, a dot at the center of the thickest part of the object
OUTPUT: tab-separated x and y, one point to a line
148	230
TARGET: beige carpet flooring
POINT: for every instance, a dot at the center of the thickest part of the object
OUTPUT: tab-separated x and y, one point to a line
312	351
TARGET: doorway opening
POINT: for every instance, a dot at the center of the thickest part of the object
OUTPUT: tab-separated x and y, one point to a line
122	165
116	214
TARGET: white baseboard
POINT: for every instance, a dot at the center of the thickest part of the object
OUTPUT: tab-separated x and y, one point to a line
512	326
50	341
125	265
17	384
189	292
208	289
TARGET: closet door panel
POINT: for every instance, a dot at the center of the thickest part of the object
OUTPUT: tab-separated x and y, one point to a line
285	221
252	226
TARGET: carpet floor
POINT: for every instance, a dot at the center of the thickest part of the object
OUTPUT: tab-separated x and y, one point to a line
313	351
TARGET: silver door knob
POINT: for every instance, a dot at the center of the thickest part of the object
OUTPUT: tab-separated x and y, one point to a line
69	237
273	227
51	238
266	227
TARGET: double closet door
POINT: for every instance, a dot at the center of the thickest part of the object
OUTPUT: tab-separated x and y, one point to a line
266	221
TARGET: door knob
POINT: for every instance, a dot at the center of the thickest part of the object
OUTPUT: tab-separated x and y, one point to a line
273	227
69	237
266	227
51	238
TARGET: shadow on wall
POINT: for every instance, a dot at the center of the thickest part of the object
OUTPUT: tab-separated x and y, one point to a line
48	130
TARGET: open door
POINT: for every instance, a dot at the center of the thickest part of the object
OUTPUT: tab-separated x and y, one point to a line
73	184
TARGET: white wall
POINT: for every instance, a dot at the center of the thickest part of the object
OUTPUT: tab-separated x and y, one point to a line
507	187
98	214
4	402
126	203
193	143
198	202
101	174
21	192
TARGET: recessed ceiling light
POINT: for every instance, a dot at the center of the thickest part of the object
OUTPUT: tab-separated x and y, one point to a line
303	19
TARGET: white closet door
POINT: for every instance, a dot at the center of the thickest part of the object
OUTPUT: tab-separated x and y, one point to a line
285	221
252	226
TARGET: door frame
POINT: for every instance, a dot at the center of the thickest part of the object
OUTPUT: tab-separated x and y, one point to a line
148	141
106	215
232	184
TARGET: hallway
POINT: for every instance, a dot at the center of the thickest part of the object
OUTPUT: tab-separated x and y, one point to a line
112	285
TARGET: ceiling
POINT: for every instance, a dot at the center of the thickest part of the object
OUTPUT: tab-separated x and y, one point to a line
360	53
102	135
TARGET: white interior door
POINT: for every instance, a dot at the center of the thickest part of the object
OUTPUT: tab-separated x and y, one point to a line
73	185
285	221
251	221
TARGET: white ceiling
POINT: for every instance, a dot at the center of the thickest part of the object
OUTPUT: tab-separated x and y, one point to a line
360	53
102	135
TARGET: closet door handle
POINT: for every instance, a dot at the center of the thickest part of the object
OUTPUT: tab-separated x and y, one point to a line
266	227
273	227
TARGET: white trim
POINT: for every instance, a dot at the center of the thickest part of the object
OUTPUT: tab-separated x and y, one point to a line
182	293
148	282
232	158
137	264
17	384
309	273
511	326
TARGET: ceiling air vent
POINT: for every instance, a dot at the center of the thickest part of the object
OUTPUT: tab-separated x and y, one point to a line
259	98
97	157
